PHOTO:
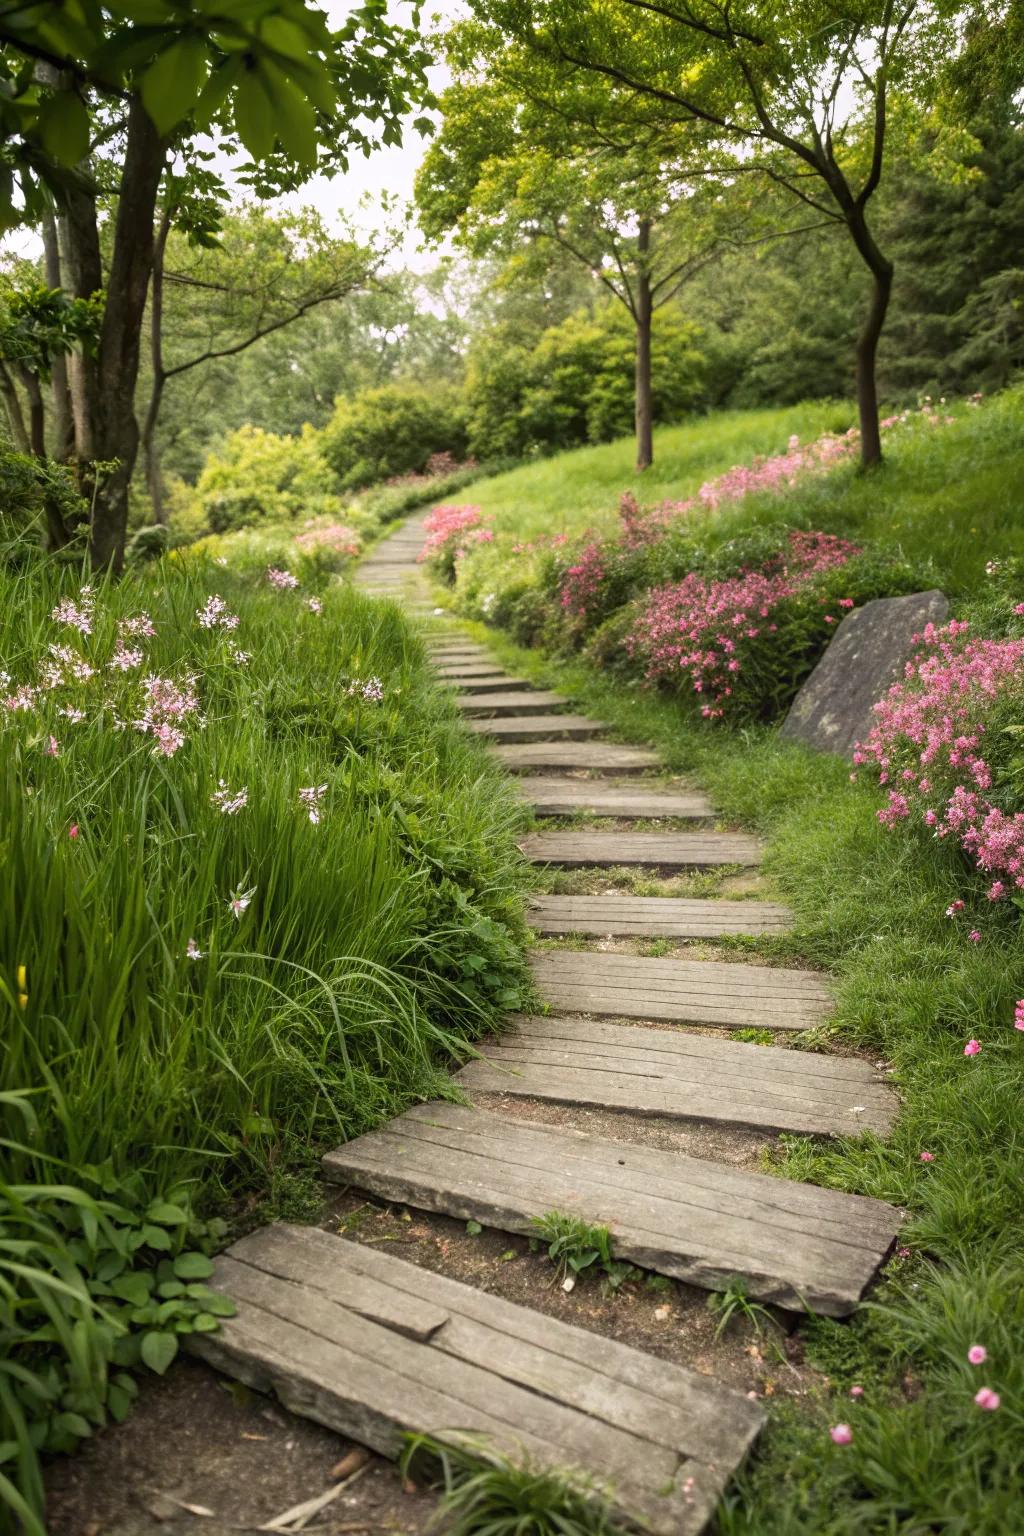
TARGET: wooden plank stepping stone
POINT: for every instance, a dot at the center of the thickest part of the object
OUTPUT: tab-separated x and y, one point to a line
470	672
579	848
374	1347
654	917
497	706
699	1221
732	996
496	682
525	727
668	1072
596	756
562	796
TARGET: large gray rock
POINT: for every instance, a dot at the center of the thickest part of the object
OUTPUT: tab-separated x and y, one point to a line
868	653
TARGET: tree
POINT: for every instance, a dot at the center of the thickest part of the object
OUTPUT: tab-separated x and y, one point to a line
801	95
96	94
528	165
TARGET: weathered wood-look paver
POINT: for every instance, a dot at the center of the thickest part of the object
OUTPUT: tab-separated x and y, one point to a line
564	795
527	728
495	706
580	847
596	757
611	985
654	917
671	1073
794	1244
478	676
372	1346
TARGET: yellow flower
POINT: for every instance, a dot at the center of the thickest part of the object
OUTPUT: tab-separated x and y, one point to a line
22	976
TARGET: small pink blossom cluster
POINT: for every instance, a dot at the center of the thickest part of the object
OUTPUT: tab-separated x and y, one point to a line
451	531
334	537
985	1398
282	580
78	615
229	801
582	581
310	798
371	691
931	739
215	615
702	627
168	705
780	471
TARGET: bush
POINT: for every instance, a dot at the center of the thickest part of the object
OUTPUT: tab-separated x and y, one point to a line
263	888
394	429
256	476
27	486
576	384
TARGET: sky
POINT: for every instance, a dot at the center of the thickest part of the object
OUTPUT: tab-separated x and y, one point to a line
354	195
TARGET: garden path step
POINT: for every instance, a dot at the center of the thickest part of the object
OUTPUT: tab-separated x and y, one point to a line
538	728
655	917
668	1072
578	848
564	795
683	991
373	1347
471	673
597	757
497	706
490	682
702	1222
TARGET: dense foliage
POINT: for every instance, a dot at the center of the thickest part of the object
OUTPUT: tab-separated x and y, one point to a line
392	430
259	887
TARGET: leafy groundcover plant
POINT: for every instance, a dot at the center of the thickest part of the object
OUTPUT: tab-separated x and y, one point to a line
258	888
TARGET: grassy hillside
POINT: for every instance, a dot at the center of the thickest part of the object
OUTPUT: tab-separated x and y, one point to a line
581	489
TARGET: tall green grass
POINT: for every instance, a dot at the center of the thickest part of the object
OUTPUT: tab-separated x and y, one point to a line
373	946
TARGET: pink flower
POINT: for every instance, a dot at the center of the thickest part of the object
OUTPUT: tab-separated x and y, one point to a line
842	1434
192	950
314	605
1018	1014
972	1048
977	1354
240	901
953	908
281	579
1018	607
227	801
987	1399
926	1157
996	890
904	1253
310	798
73	830
975	935
215	615
856	1391
52	748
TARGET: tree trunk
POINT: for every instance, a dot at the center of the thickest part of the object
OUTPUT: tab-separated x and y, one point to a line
36	413
63	422
867	355
643	315
15	414
150	448
78	236
113	428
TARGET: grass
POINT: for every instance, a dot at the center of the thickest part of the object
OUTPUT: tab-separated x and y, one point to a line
581	489
366	948
911	990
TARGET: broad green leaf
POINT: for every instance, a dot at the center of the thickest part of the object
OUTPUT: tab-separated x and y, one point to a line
64	127
193	1266
134	1288
166	1213
294	117
158	1350
254	116
205	1323
156	1237
171	86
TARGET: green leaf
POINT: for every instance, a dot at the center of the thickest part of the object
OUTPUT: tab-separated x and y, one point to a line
156	1237
193	1266
134	1287
254	116
170	1289
72	1424
64	127
158	1350
118	1404
473	1228
295	119
171	86
205	1323
166	1213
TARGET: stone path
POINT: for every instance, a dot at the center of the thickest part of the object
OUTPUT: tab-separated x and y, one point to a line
374	1346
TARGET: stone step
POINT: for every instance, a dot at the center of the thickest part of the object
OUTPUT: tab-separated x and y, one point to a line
538	728
564	795
375	1347
472	672
654	917
668	1072
597	757
578	848
492	681
513	702
714	992
793	1244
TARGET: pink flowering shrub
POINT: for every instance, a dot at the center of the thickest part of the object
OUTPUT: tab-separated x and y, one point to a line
945	744
332	538
735	641
451	533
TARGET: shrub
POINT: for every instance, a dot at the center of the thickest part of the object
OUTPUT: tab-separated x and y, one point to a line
256	476
394	429
27	486
451	532
947	745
